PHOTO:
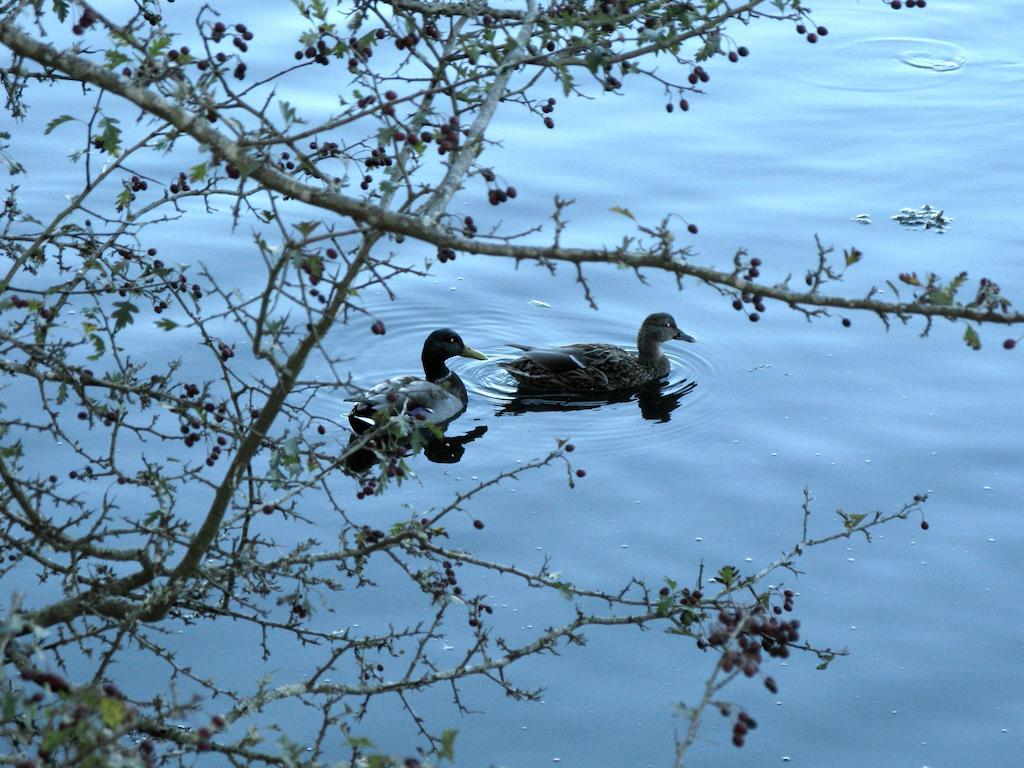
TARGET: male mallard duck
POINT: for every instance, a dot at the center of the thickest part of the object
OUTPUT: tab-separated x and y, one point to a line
597	367
440	396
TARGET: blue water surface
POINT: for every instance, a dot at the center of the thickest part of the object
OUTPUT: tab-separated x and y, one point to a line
890	110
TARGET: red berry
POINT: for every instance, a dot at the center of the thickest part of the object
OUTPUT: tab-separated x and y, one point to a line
478	524
924	525
581	473
1009	344
378	328
692	229
846	322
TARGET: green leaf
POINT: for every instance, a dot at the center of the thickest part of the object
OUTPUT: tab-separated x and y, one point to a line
447	750
852	256
166	324
623	212
124	315
727	575
115	59
112	711
197	172
99	345
158	46
306	228
971	338
60	7
940	298
55	122
110	138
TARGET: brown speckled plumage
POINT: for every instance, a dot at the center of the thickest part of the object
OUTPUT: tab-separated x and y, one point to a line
593	367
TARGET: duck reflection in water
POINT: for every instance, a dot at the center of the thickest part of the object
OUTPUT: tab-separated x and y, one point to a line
656	399
364	453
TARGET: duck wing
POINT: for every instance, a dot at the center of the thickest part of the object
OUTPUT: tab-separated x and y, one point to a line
574	357
550	359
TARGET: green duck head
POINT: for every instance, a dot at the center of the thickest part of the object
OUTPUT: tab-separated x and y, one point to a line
441	345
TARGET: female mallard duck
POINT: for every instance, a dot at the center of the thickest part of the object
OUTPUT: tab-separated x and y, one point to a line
438	397
597	367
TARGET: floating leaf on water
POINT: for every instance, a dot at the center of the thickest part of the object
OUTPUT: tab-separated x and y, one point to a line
924	217
539	303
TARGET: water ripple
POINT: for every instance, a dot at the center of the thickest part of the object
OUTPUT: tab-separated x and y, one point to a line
888	64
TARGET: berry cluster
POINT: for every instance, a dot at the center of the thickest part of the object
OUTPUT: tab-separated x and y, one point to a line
285	162
312	268
469	227
359	54
220	30
745	638
181	55
378	328
497	196
547	108
743	724
180	184
317	53
327	149
698	74
368	535
378	159
87	20
747	297
215	453
897	4
813	35
477	609
225	351
449	138
109	418
739	53
445	254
